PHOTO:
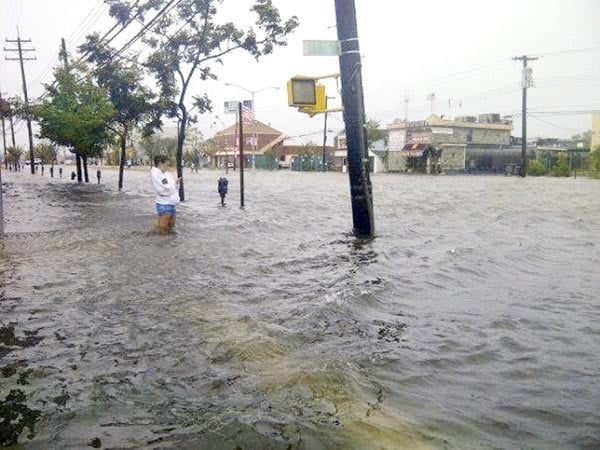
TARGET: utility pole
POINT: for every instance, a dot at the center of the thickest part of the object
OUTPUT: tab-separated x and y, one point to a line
20	50
354	118
63	53
324	162
2	111
527	82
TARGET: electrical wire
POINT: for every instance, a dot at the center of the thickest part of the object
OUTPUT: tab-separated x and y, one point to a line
554	125
140	33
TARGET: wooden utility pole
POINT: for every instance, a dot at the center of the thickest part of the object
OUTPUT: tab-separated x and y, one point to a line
20	50
527	82
354	118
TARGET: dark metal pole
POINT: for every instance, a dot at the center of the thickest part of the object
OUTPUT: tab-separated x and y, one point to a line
324	168
241	156
354	118
526	82
524	125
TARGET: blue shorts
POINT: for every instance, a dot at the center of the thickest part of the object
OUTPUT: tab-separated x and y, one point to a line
165	209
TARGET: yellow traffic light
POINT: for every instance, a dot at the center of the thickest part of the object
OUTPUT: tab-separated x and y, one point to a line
302	92
307	95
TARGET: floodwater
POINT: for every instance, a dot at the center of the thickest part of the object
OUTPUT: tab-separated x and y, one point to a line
472	320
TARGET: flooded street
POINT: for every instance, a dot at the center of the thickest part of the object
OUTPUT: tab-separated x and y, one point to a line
471	321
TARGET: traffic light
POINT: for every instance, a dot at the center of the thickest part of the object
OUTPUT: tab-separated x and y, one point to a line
307	95
302	92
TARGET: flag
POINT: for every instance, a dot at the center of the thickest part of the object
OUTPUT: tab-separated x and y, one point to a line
247	111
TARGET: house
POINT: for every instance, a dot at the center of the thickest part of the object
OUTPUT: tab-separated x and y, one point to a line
455	140
377	154
259	138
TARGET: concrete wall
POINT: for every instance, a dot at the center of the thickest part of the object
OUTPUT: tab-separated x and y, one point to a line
396	162
453	158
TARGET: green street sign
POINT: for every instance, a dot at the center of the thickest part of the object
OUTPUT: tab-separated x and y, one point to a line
320	48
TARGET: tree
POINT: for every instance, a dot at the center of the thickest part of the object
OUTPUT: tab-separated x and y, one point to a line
536	168
561	169
46	152
76	113
585	138
131	100
13	156
155	145
374	133
594	162
195	144
187	41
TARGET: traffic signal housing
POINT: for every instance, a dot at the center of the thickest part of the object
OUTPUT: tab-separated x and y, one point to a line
307	95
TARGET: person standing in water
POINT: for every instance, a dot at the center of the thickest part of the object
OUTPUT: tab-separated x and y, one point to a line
167	195
222	188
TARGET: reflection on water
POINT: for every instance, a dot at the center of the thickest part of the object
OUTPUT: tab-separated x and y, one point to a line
470	322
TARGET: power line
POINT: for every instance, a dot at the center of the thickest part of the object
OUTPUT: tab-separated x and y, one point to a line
145	27
573	50
79	27
554	125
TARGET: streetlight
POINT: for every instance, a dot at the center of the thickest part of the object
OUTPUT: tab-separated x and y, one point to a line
253	93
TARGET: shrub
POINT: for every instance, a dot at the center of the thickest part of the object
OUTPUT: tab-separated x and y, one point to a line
536	168
561	169
594	163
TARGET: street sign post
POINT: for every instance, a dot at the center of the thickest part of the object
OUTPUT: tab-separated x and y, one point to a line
231	107
320	48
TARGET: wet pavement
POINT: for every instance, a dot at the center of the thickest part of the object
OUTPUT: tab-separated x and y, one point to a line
471	321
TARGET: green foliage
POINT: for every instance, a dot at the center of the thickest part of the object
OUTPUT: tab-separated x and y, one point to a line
594	163
112	156
189	41
374	133
14	154
46	152
310	149
154	145
561	169
133	102
75	113
585	138
536	168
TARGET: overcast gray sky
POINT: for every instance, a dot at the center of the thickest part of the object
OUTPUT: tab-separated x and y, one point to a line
460	50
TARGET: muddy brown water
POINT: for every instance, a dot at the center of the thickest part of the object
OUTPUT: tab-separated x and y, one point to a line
471	321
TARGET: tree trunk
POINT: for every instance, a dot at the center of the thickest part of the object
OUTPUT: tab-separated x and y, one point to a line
78	161
180	141
122	159
85	169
